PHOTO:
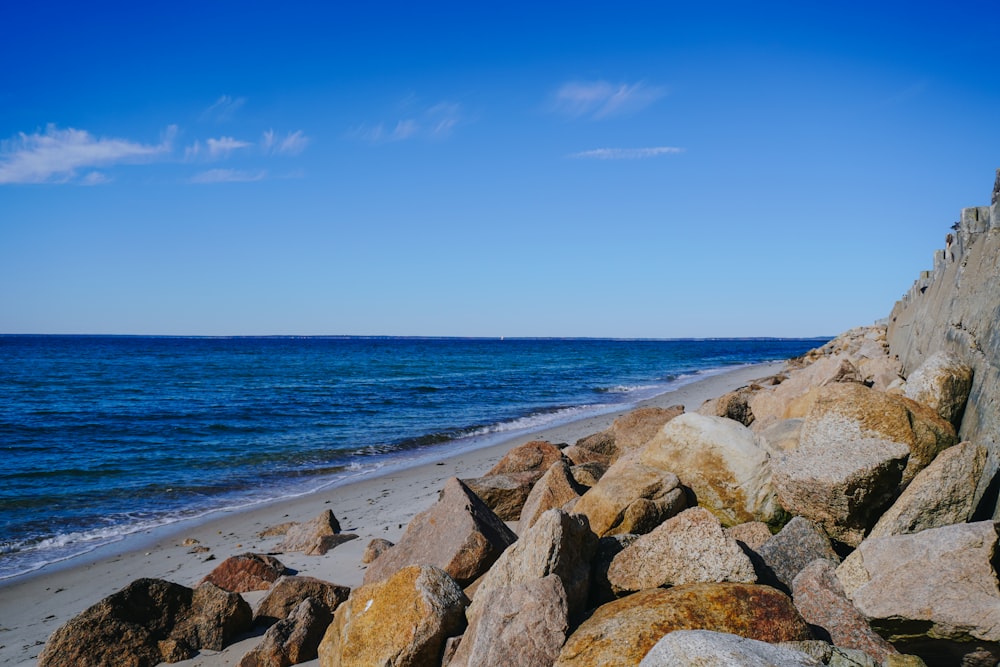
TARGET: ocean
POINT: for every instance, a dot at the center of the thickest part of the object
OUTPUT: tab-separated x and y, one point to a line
103	436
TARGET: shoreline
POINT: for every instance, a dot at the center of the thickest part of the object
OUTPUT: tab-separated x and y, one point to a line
33	605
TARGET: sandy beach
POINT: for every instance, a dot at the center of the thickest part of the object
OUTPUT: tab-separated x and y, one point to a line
33	606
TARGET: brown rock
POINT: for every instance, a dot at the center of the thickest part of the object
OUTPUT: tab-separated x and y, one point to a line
216	616
606	504
504	493
535	456
783	556
459	534
308	536
820	598
588	474
278	530
246	572
633	430
732	405
524	624
753	534
688	548
622	632
292	640
942	382
324	544
578	455
289	591
555	488
402	621
782	436
375	548
772	405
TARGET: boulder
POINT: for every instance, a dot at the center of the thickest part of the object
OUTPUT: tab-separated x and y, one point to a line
688	548
608	547
627	433
625	484
315	537
558	543
717	649
458	533
375	548
555	488
622	632
588	474
402	621
783	556
246	572
292	640
148	622
289	591
578	455
722	462
536	457
943	493
820	598
731	405
933	593
782	436
524	624
943	383
752	534
772	405
504	493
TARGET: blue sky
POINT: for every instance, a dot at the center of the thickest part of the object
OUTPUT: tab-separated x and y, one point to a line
577	169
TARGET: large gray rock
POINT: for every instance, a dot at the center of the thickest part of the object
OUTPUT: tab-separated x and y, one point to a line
631	498
458	534
555	488
932	593
558	543
943	382
820	598
524	624
799	543
722	462
689	548
706	648
945	492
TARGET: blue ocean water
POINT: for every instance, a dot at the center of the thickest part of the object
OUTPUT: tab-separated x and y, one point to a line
101	436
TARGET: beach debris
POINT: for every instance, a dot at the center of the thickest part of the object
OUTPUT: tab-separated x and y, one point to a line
783	556
315	537
402	620
246	572
524	624
820	598
554	489
199	550
504	493
622	632
292	640
148	622
943	383
722	462
689	548
190	541
934	591
458	533
631	498
705	647
558	543
375	548
289	590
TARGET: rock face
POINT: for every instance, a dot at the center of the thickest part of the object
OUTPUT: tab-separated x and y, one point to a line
622	632
375	548
631	498
559	543
753	534
535	457
523	624
721	461
716	649
821	600
288	592
933	593
733	405
942	382
400	622
148	622
608	547
945	492
689	548
775	404
504	493
316	537
799	543
246	572
555	488
292	640
628	433
458	533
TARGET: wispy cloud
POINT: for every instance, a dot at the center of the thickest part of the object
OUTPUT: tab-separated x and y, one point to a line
95	178
602	99
228	176
627	153
434	122
55	155
223	109
293	143
223	146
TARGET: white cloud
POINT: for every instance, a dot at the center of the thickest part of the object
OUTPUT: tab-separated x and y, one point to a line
627	153
228	176
601	99
223	146
293	143
95	178
223	108
434	122
56	155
